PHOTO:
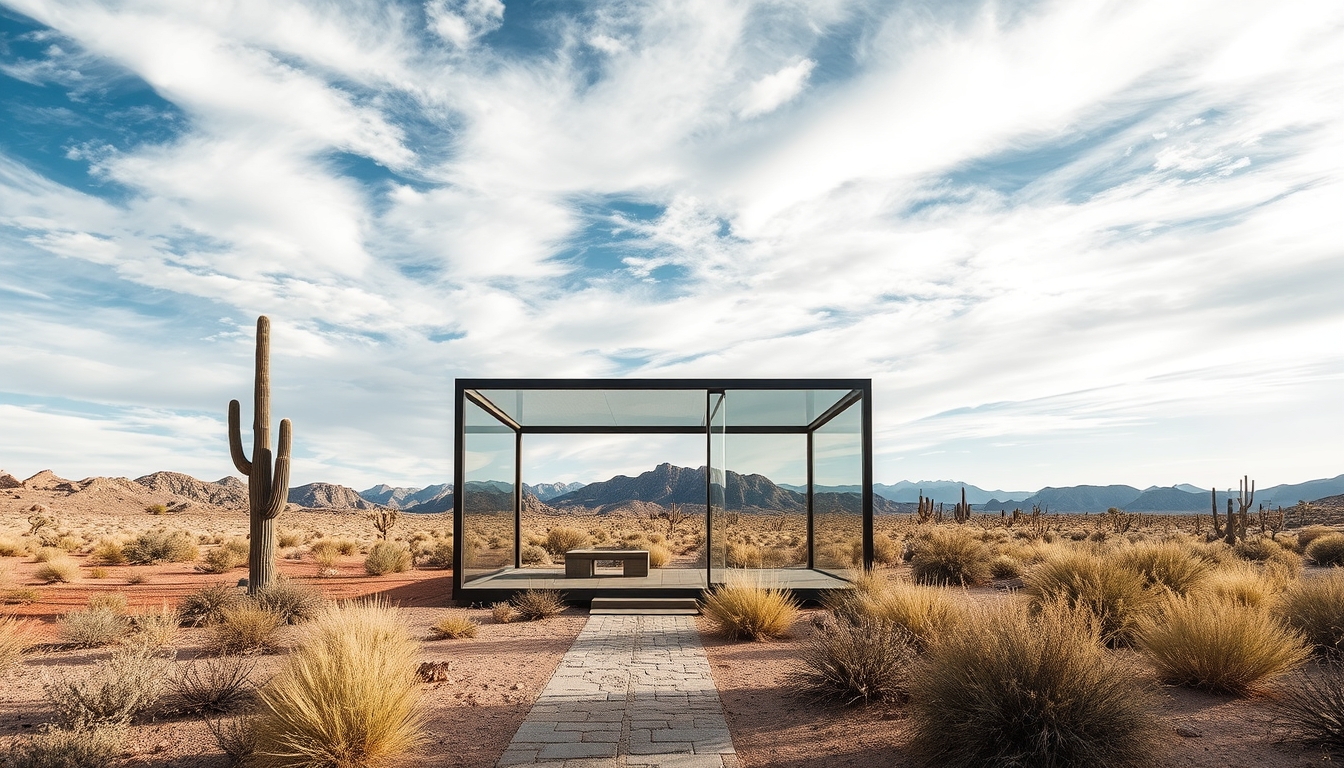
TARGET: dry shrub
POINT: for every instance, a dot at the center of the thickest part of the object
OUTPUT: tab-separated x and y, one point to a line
1266	550
1315	608
245	629
236	737
1311	533
950	556
225	557
501	612
742	555
454	626
1243	583
93	627
162	546
292	600
288	539
1218	645
12	547
537	604
1022	688
1166	564
97	572
361	656
207	605
45	554
15	637
51	747
560	540
1005	567
885	551
155	629
441	555
111	601
108	552
864	660
534	555
659	555
387	557
750	611
62	569
1115	595
1314	704
122	686
325	553
1327	550
212	684
923	611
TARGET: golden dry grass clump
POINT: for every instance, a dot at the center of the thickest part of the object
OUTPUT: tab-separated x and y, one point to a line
387	557
1314	704
749	611
60	568
454	626
856	658
15	637
561	539
1164	564
361	656
923	611
950	556
1247	583
1019	687
538	604
1315	608
243	629
1115	595
1327	550
1218	645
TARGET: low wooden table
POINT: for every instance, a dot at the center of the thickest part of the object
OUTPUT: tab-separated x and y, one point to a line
582	562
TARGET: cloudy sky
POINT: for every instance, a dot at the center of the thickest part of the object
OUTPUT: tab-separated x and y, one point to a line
1071	242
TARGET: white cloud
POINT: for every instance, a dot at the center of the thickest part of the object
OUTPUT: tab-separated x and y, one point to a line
774	91
460	22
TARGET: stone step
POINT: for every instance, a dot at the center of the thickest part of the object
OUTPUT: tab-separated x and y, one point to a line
644	606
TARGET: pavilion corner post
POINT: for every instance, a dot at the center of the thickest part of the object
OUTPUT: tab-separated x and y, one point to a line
811	494
459	518
867	488
517	498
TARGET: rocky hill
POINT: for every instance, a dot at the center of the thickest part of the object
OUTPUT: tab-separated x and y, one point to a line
548	491
328	496
227	491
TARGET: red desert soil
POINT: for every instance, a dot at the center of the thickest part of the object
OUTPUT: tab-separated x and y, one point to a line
772	727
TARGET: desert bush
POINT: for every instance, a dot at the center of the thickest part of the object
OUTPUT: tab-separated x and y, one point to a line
742	555
12	547
863	661
441	555
923	611
1315	608
387	557
93	627
220	560
111	601
288	539
1314	704
1165	564
137	578
1116	596
155	629
885	551
97	572
1243	583
292	600
361	656
62	569
1218	645
659	555
45	554
1005	567
244	629
207	604
1327	550
122	686
950	556
161	546
536	604
52	747
560	540
501	612
212	684
156	509
750	611
236	737
1022	688
534	555
108	552
1311	533
325	553
1266	550
15	637
453	626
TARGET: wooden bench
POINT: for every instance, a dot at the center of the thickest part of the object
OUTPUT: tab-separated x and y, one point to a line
583	562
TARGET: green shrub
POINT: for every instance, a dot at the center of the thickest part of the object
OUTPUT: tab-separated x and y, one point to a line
52	747
94	627
750	611
124	685
1116	596
1218	645
162	546
950	556
536	604
292	600
1315	608
1165	564
361	656
1327	550
856	661
387	557
207	605
1016	688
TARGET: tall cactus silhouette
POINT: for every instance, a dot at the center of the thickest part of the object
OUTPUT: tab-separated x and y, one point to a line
267	488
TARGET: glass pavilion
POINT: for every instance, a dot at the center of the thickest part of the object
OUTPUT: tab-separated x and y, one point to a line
806	537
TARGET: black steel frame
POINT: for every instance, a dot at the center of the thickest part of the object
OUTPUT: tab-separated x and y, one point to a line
861	393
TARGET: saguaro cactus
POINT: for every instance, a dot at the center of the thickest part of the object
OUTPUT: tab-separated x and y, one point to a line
267	488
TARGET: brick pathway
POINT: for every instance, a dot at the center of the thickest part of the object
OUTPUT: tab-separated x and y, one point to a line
632	691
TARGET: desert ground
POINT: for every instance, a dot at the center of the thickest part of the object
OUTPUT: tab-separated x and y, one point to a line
486	684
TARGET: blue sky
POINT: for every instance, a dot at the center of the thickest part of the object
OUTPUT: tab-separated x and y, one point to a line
1071	242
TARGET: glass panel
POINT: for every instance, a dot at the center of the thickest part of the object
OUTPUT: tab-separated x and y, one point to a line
765	521
781	407
718	454
601	408
837	500
489	456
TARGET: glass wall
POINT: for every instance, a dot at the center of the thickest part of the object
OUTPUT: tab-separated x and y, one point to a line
765	518
718	477
490	471
837	499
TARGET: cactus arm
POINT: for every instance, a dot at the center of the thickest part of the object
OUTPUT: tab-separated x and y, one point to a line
236	440
279	494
